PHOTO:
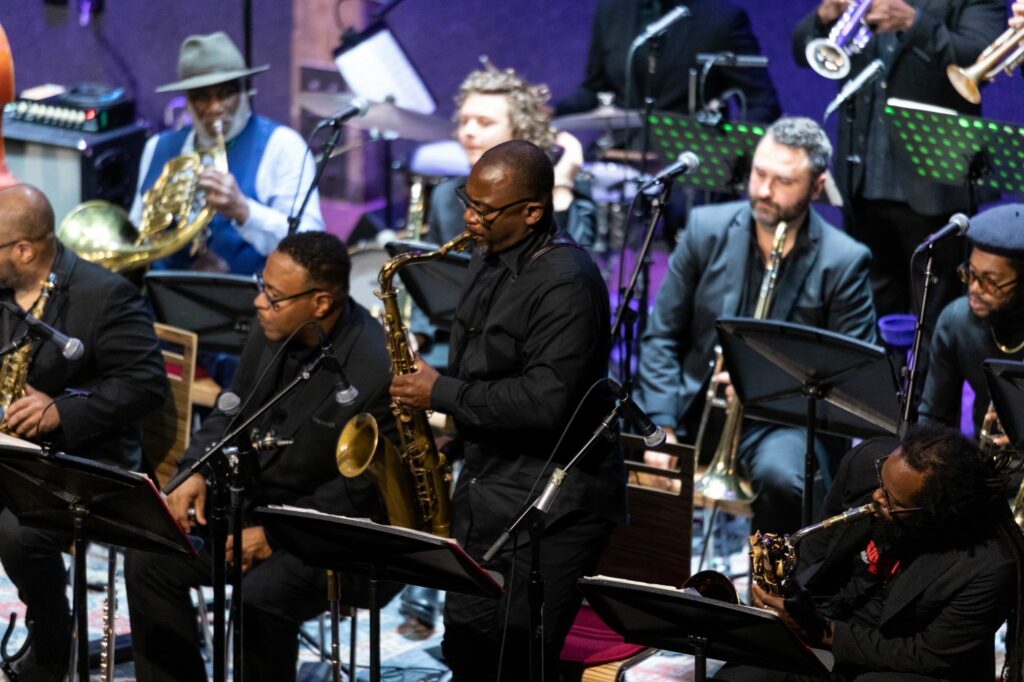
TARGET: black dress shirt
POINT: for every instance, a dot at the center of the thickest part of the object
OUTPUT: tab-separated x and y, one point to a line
531	336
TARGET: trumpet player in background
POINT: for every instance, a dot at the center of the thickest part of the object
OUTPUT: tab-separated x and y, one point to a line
916	591
716	270
266	160
119	377
987	322
888	207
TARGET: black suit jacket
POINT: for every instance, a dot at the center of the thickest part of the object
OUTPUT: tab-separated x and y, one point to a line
121	367
945	32
713	26
941	613
305	474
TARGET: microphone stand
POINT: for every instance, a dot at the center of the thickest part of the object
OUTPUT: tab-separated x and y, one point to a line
911	375
531	517
640	267
224	474
325	156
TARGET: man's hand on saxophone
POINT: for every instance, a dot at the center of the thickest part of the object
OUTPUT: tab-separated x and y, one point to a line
413	390
28	416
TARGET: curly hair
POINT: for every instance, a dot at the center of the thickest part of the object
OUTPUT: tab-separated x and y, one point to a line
324	258
958	482
803	133
528	112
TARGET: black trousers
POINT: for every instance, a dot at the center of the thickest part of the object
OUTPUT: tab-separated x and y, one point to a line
279	595
474	625
31	558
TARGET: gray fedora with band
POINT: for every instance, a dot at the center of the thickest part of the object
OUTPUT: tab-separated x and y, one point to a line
209	60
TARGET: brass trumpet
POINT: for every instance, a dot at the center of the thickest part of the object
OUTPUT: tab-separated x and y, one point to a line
1005	54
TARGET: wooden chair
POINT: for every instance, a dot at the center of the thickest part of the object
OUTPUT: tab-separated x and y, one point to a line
653	547
166	431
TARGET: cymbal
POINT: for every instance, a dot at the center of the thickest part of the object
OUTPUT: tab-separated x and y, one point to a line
601	118
383	116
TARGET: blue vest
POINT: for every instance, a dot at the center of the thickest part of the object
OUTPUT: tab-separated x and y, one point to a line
244	154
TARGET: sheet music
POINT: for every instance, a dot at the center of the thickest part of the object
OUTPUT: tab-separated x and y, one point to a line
377	69
362	521
18	443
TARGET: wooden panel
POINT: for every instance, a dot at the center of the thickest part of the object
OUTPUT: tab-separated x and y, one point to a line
166	431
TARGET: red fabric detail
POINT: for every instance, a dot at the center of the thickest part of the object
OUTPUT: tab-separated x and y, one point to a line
878	564
591	642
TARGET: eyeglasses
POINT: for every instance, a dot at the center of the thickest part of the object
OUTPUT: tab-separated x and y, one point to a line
986	284
482	213
275	303
893	509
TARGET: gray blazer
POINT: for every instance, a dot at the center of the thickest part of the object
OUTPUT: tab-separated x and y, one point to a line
822	284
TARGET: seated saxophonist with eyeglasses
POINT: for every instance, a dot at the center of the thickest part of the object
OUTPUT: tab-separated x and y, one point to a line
265	161
916	590
116	377
986	322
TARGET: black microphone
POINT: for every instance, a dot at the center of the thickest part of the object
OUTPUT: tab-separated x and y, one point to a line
956	227
687	163
70	347
355	108
652	433
656	29
853	86
344	392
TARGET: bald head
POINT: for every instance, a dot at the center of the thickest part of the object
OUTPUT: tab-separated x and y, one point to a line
526	166
25	213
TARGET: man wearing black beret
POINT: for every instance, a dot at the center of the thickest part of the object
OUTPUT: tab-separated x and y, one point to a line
986	323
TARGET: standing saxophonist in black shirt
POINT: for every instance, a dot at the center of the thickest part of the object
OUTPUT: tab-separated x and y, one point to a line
531	336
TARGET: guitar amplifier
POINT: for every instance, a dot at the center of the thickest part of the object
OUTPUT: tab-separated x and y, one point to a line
71	166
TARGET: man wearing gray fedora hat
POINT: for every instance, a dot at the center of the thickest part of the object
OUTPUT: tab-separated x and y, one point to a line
267	161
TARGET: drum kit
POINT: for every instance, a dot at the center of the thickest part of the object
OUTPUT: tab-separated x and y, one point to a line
613	179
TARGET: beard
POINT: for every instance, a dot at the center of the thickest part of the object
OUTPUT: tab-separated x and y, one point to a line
905	536
770	214
232	128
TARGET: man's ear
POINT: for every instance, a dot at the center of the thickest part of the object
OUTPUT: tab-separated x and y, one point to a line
324	304
534	213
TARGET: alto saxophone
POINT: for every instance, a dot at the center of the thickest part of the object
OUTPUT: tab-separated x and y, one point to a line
424	501
773	558
14	371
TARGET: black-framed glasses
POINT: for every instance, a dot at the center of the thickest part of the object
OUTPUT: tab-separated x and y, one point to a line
893	508
986	284
275	303
483	213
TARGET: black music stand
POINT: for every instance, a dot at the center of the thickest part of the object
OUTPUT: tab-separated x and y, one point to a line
801	376
89	501
217	307
1006	387
726	151
435	285
667	618
379	552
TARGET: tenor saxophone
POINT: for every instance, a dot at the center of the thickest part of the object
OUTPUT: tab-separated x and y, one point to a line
14	371
416	457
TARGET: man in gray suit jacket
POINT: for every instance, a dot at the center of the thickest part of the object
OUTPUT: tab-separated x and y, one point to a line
716	270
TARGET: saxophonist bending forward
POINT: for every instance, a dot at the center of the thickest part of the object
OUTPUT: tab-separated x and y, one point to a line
303	294
120	372
531	335
716	270
917	591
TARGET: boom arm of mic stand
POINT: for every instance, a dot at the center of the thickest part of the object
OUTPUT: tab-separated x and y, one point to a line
184	474
540	505
627	295
325	156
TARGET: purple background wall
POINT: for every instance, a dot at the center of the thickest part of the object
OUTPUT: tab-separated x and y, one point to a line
135	43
